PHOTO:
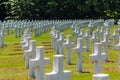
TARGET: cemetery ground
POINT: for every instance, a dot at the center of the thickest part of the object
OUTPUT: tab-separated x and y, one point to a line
12	65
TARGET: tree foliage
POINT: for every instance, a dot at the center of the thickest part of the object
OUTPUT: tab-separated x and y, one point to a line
59	9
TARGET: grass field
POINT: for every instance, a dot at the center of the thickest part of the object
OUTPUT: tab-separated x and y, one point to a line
12	65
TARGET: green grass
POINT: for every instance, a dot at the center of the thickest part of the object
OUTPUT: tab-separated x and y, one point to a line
12	65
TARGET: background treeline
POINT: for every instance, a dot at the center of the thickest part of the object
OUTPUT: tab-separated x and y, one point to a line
59	9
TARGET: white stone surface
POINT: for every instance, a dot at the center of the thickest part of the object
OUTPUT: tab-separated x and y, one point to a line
106	43
76	33
107	31
30	53
87	37
1	40
55	38
94	39
37	64
60	41
101	34
97	57
1	37
119	61
117	47
68	44
81	34
26	45
52	39
100	77
79	49
58	73
115	37
98	33
52	34
24	40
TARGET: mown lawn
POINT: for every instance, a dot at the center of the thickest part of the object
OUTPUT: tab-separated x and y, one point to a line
12	65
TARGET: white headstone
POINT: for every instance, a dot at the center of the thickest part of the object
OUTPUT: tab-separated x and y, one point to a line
117	47
100	77
56	47
58	73
37	64
101	34
107	31
98	32
115	37
52	35
26	45
79	49
97	57
1	40
94	40
23	40
68	45
118	24
60	41
87	36
76	33
1	37
105	43
30	53
81	33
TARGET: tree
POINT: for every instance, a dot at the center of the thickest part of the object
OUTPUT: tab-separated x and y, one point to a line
21	9
4	9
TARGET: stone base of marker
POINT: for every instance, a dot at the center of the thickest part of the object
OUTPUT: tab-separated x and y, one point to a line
51	76
100	77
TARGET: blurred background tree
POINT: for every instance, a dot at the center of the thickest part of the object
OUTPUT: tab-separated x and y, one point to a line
59	9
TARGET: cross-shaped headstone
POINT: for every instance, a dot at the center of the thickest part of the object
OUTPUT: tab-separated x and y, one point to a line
81	33
79	49
97	57
107	31
30	53
27	32
23	40
16	31
38	64
101	34
94	40
1	40
87	36
52	35
60	41
118	24
58	73
105	43
76	33
26	45
35	31
73	27
26	35
68	45
1	36
53	31
98	32
90	26
55	42
115	37
117	47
